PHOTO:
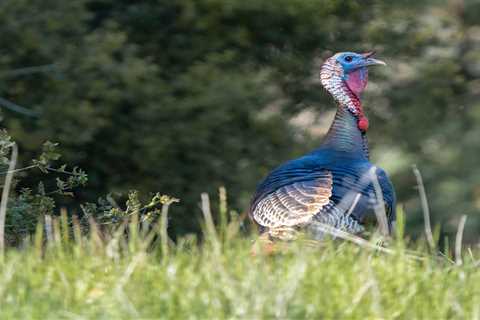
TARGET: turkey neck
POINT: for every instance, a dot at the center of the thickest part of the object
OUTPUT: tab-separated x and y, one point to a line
344	134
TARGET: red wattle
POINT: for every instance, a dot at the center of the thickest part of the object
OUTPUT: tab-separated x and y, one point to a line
357	83
363	124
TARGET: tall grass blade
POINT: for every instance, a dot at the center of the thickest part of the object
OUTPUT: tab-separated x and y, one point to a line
380	206
48	228
425	208
38	240
211	234
458	240
400	223
164	240
222	199
64	225
6	190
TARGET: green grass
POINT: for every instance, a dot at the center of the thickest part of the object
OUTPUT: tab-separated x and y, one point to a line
108	276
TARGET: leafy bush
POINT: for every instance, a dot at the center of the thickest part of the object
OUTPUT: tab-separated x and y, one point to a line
27	207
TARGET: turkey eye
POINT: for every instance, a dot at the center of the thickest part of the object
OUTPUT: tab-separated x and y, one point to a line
348	58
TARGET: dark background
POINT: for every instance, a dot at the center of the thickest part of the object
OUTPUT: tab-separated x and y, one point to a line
181	97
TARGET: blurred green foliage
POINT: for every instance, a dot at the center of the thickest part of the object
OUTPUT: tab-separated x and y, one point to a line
181	97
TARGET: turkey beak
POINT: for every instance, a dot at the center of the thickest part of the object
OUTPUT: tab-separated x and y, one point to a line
369	61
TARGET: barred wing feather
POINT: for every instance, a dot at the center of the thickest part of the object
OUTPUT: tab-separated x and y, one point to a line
294	204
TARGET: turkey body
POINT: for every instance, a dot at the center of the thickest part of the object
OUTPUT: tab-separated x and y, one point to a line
353	198
335	184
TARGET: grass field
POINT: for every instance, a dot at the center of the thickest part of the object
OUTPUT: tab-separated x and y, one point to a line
105	275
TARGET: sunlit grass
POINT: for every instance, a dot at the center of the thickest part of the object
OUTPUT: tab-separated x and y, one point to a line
111	275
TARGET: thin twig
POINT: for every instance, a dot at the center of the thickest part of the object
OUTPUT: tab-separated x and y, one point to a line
359	241
425	208
5	193
62	171
458	240
16	108
36	166
29	70
19	169
446	257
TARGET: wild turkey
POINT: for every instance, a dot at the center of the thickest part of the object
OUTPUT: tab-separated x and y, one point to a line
333	184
